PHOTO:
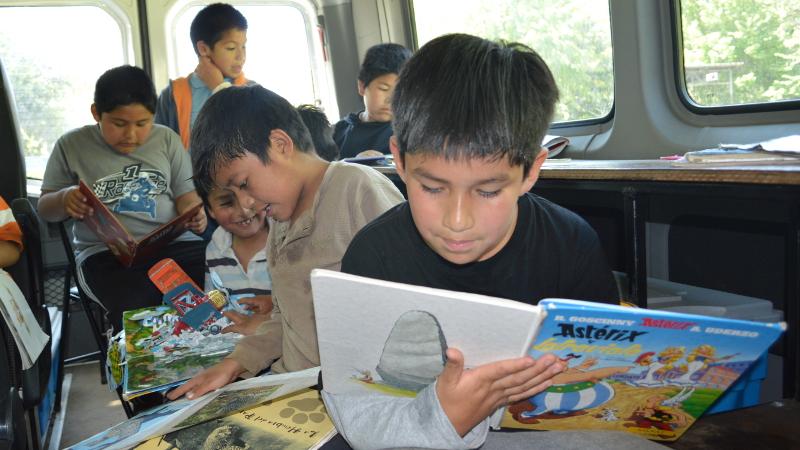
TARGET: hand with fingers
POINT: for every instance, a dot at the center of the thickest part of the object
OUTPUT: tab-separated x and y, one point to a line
259	304
215	377
75	204
208	72
198	223
244	324
469	396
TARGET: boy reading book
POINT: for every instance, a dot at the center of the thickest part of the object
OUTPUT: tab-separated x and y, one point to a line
142	174
471	225
254	143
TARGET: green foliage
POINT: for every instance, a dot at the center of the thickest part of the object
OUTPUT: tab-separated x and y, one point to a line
37	94
573	39
753	45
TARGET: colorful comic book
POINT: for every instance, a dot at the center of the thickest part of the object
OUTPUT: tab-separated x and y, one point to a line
157	360
647	372
122	244
173	416
651	373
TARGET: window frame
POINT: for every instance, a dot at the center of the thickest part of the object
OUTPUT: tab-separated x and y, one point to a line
320	72
679	78
604	120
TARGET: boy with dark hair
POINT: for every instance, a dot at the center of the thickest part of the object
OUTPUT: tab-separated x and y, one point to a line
469	119
371	128
253	142
321	133
218	34
126	160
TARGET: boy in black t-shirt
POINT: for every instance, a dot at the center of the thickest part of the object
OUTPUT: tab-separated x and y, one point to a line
469	117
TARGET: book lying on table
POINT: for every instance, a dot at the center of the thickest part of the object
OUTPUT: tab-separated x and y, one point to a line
651	373
122	244
784	149
173	416
297	421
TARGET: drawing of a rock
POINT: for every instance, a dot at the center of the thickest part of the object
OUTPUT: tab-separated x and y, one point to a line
414	353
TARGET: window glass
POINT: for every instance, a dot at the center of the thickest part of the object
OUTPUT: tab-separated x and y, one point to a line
741	51
53	55
276	35
573	37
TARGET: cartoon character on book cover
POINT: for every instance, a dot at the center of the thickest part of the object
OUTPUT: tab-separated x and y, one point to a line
646	375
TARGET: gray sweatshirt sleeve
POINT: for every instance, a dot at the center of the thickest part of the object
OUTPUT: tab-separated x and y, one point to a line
371	421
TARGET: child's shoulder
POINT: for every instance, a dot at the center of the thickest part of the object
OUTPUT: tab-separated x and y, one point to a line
354	175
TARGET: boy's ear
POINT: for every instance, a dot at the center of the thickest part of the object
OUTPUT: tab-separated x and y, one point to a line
533	172
203	49
361	88
399	164
280	144
95	114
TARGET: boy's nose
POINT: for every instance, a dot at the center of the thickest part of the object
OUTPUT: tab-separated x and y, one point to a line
458	213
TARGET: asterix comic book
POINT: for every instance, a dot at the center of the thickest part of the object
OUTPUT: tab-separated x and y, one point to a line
651	373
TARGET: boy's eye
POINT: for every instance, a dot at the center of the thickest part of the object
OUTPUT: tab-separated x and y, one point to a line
430	190
243	185
488	194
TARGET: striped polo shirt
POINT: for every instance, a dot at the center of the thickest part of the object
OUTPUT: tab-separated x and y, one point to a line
221	259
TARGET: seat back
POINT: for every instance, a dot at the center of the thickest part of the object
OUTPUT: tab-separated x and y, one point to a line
28	272
13	434
12	171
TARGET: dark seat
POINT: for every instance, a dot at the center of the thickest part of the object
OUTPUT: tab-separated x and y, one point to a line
89	307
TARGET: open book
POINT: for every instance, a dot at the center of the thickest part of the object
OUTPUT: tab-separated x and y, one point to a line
16	313
652	373
181	414
294	422
125	247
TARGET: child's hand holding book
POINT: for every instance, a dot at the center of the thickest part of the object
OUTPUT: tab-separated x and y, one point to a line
469	396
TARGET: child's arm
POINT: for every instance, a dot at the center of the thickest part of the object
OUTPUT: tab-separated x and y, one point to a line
9	253
451	413
185	202
215	377
55	206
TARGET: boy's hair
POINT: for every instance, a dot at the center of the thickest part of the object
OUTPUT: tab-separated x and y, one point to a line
462	96
122	86
213	21
321	132
382	59
239	120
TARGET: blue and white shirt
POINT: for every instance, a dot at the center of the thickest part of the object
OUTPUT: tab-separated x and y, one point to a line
221	259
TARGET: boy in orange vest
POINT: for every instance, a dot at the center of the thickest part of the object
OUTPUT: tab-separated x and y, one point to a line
219	34
10	236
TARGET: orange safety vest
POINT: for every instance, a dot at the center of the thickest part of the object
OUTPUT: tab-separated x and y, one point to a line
182	94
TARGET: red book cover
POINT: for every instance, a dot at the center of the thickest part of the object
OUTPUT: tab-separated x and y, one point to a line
125	247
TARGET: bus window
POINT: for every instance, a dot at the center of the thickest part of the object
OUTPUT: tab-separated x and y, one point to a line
53	56
282	42
580	61
739	52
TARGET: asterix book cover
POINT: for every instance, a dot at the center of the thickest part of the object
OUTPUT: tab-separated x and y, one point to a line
295	422
122	244
650	373
240	396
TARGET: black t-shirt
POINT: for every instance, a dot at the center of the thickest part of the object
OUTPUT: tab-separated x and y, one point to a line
552	253
354	136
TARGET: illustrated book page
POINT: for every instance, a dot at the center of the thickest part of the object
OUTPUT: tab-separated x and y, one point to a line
125	247
650	373
173	416
294	422
390	338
